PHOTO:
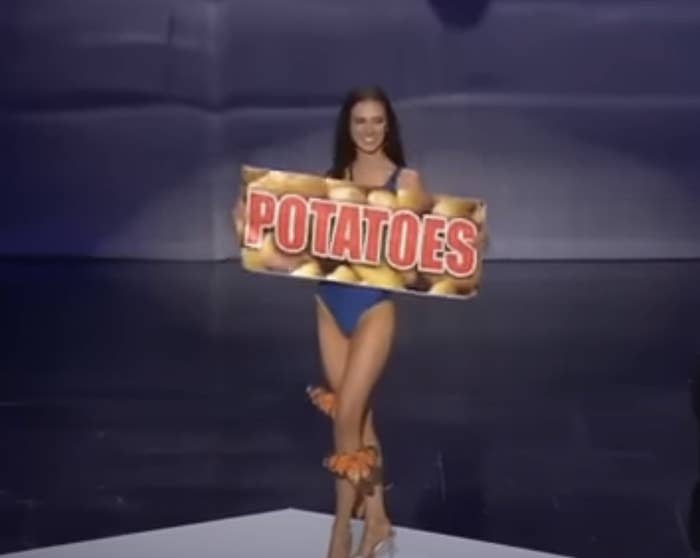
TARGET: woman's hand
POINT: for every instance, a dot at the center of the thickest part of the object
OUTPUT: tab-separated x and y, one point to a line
238	217
412	193
482	240
268	255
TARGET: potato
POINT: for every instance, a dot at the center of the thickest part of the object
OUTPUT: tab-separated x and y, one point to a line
343	273
347	194
444	287
382	198
308	269
449	206
379	276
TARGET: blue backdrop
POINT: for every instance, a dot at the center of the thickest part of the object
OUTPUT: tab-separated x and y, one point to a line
124	123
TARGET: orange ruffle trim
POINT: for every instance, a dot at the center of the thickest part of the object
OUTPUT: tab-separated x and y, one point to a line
355	466
323	399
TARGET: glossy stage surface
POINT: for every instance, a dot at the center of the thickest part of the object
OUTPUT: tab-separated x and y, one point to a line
289	533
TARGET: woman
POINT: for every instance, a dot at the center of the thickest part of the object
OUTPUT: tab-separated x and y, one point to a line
356	329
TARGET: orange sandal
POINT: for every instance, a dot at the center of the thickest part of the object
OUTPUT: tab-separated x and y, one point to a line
323	399
359	466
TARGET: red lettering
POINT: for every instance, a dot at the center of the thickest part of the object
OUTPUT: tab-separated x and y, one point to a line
356	233
403	235
347	237
292	224
462	261
260	217
321	232
376	218
433	245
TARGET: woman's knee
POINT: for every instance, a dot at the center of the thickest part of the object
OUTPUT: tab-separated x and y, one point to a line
348	408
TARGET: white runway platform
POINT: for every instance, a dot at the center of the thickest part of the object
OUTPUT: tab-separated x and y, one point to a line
290	533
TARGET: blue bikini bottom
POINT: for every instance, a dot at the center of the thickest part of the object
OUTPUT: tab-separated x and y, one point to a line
347	303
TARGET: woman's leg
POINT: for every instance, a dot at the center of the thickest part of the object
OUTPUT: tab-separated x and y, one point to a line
373	505
334	348
367	356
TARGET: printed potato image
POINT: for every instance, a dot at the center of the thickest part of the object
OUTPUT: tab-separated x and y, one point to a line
468	284
444	287
479	215
347	194
260	258
463	285
379	276
382	198
338	182
343	273
409	278
450	206
270	258
252	259
278	183
308	269
406	199
251	174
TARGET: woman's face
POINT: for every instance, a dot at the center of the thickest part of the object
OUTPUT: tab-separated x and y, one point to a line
368	126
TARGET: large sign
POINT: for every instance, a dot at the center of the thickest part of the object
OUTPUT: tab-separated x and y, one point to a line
312	227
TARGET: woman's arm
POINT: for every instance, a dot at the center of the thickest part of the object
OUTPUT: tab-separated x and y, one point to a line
238	217
411	186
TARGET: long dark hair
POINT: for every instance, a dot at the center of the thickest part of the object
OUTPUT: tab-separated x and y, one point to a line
344	148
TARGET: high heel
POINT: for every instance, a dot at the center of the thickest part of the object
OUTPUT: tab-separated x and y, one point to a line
386	548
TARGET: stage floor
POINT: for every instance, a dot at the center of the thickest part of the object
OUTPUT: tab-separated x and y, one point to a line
289	533
552	413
